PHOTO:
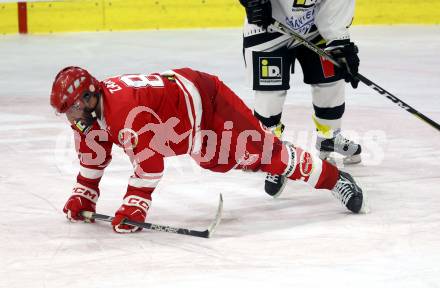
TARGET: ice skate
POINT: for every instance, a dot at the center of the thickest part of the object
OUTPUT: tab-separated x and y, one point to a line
274	184
349	194
341	145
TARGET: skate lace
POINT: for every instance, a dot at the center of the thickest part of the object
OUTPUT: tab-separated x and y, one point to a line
343	191
272	178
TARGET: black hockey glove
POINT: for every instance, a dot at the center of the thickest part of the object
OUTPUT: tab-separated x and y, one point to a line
345	52
258	12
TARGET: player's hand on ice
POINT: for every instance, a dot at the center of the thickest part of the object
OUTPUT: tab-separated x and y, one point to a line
258	12
134	208
345	52
82	199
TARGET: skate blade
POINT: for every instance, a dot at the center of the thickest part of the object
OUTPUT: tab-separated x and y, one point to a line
347	160
350	160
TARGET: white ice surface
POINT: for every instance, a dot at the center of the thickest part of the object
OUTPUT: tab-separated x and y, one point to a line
303	239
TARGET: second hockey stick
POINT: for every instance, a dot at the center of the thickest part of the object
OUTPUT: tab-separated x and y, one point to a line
163	228
285	30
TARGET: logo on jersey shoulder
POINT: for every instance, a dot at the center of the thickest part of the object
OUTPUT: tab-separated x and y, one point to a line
303	3
271	71
128	138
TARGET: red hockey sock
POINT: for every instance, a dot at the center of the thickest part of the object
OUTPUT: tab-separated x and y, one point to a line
312	170
329	176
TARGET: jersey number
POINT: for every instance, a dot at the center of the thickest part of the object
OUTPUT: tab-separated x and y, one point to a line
142	80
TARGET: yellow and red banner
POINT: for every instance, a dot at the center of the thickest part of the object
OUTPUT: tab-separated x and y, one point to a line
109	15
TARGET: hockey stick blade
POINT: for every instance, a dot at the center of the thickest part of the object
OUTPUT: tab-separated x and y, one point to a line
163	228
285	30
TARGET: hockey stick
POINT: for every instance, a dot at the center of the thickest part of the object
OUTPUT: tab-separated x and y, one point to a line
285	30
163	228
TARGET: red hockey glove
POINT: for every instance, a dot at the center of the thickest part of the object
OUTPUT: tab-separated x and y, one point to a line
82	199
134	208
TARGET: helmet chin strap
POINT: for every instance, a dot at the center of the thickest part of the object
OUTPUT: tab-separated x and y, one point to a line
84	126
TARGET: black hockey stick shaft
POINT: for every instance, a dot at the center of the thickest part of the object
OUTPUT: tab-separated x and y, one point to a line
151	226
164	228
363	79
399	102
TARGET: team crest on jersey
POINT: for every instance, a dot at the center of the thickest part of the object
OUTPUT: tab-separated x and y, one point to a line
128	138
305	164
304	3
271	71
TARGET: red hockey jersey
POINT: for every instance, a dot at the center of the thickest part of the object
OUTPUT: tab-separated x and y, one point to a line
150	117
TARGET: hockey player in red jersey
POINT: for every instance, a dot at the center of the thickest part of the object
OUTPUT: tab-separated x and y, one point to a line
181	111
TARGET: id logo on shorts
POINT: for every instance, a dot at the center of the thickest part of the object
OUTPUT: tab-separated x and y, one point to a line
271	71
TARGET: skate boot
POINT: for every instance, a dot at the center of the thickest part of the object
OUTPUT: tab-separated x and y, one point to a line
274	184
349	193
339	144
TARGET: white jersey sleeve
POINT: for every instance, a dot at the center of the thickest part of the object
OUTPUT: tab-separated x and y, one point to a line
333	17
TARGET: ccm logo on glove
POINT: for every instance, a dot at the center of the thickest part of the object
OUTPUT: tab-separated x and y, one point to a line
136	201
86	193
